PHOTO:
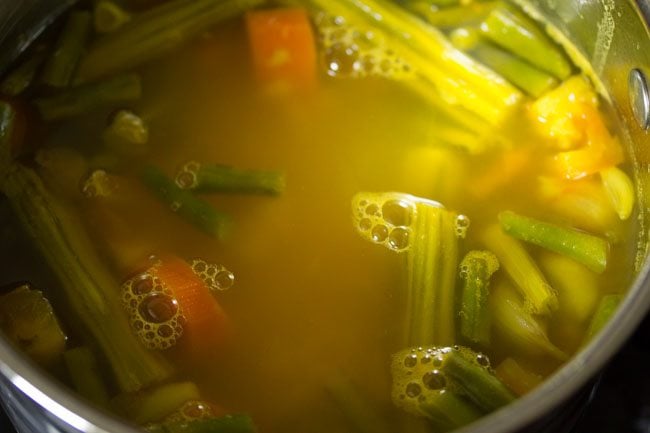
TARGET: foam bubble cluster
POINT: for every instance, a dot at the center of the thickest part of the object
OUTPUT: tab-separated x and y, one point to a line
215	276
351	52
418	374
192	410
384	218
187	176
154	313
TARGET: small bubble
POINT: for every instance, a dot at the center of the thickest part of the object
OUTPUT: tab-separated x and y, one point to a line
462	224
372	210
482	360
434	380
158	308
211	270
379	233
224	280
398	238
425	359
186	180
142	285
411	360
437	361
365	224
397	212
138	325
174	206
413	389
199	266
165	331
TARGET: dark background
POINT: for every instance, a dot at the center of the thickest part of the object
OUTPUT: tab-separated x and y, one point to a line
621	404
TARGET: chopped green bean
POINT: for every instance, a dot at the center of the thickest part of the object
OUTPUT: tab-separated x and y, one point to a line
510	29
28	321
90	288
587	249
452	17
224	424
191	208
221	178
539	297
109	16
475	270
62	63
476	381
154	33
79	100
21	78
356	406
605	310
447	411
85	375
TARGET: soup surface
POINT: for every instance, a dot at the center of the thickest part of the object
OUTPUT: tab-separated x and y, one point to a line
314	283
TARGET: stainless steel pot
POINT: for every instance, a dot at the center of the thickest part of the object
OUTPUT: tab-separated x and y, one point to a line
611	38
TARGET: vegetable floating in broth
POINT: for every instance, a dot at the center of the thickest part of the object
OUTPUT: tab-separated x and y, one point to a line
185	170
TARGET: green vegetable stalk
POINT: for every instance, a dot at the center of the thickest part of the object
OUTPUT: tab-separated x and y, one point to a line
587	249
225	424
155	33
510	29
89	287
191	208
23	76
85	375
476	269
221	178
79	100
63	60
605	310
454	16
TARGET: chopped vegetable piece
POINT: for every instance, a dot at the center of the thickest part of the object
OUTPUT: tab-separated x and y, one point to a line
447	411
539	297
87	284
356	406
221	178
109	16
518	327
283	46
505	168
431	262
475	270
459	79
156	404
515	377
620	190
86	376
27	319
475	380
528	78
191	208
452	17
606	309
225	424
62	63
205	324
23	76
509	28
587	249
154	33
127	134
81	99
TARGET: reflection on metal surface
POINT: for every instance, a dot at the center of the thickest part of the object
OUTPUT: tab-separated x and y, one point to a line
639	97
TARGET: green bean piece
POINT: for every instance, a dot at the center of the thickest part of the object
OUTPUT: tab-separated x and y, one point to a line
539	297
109	16
475	380
157	403
79	100
91	289
518	327
357	407
587	249
510	29
476	269
221	178
447	411
224	424
431	263
457	78
62	63
191	208
29	322
522	74
86	376
21	78
605	310
452	17
155	33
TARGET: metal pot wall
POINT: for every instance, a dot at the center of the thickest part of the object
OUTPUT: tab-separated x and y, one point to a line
611	37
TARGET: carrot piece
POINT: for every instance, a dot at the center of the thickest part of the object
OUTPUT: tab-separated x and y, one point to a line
601	150
205	324
283	47
503	171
